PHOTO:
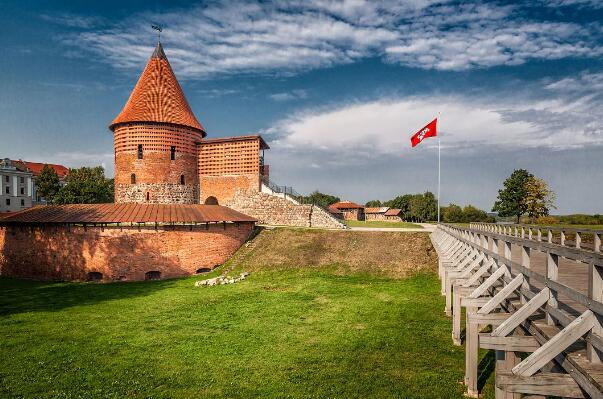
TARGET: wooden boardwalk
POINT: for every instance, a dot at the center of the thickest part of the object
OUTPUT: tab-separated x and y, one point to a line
540	297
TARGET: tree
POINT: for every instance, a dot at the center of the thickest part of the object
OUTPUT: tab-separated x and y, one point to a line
401	202
319	198
473	214
86	186
423	207
511	199
373	204
453	214
539	198
48	184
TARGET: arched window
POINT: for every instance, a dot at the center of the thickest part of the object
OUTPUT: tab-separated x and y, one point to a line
148	196
211	200
181	179
133	178
139	151
173	153
94	276
152	275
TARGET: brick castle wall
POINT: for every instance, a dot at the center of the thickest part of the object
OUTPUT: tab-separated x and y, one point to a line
61	253
223	188
156	178
273	210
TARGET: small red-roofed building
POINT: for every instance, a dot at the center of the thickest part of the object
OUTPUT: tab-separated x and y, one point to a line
350	210
393	214
377	213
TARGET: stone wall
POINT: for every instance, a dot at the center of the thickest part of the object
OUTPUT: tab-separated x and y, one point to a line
63	253
273	210
157	193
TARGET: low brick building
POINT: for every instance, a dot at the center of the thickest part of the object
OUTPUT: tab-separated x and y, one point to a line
375	213
393	214
350	210
119	241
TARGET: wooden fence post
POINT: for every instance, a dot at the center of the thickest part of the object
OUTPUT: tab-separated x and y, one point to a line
550	236
578	239
562	237
595	292
525	262
597	241
552	273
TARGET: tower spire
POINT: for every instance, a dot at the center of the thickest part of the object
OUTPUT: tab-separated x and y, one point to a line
159	29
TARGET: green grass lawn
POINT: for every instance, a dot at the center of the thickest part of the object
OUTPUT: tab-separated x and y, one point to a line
289	333
382	223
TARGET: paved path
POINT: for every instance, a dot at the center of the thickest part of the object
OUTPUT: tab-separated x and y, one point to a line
425	228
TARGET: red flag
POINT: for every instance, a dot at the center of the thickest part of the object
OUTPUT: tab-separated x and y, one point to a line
427	131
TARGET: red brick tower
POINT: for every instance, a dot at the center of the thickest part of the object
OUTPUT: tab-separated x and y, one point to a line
155	139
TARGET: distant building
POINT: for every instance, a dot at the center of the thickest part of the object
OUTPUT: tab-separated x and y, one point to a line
16	187
350	210
375	213
35	168
393	214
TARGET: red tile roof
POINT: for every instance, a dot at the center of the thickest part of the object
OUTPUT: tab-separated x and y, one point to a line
393	212
263	144
382	209
346	205
158	97
127	213
36	167
332	209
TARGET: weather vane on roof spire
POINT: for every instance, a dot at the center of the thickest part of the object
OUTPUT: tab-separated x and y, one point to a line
159	29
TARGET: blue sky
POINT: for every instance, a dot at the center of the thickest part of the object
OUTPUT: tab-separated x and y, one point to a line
336	88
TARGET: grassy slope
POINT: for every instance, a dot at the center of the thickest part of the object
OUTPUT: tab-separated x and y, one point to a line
291	332
382	223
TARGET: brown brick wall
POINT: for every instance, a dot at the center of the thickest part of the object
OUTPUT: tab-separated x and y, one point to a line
225	187
59	253
156	173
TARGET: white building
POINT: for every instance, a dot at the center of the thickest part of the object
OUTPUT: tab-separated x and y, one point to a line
16	187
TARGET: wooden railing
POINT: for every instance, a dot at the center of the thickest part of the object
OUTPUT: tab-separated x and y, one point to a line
565	236
559	324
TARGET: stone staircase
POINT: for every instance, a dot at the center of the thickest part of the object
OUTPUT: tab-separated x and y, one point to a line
278	210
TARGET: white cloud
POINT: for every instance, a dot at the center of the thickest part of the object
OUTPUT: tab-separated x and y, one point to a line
292	36
567	118
297	94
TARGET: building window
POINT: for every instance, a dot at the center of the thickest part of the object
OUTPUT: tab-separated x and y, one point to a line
133	178
181	179
7	190
211	200
22	180
94	276
22	202
8	202
148	196
22	190
173	153
152	275
6	179
139	151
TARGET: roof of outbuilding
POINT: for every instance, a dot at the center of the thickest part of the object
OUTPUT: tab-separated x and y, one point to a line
127	213
158	97
393	212
382	209
263	144
346	205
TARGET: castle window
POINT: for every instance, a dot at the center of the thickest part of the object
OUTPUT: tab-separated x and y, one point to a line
181	179
139	151
148	196
152	275
173	153
22	202
133	178
8	201
94	276
22	190
211	200
7	190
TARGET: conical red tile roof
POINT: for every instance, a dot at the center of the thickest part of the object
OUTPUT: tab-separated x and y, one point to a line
157	97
